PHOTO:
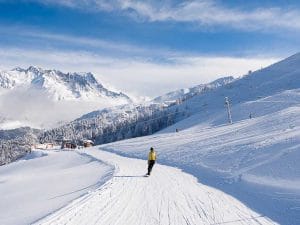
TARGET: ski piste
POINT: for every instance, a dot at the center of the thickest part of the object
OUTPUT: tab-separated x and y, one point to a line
169	197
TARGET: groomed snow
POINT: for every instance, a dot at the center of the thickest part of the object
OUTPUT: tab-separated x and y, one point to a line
43	182
168	196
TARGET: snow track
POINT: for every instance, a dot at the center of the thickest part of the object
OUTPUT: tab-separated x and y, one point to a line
168	196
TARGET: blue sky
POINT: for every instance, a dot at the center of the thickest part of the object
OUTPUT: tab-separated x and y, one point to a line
137	44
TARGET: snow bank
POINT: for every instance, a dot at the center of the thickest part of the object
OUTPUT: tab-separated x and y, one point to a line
39	184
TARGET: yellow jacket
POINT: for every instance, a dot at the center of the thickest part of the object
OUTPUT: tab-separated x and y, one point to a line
152	155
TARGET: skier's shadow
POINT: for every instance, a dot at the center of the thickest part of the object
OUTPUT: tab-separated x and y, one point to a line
129	176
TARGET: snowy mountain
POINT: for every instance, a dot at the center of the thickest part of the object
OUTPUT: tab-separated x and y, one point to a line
59	85
47	98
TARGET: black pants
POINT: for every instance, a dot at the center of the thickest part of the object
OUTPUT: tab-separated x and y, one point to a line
150	165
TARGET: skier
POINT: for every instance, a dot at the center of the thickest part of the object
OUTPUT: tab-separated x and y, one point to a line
151	160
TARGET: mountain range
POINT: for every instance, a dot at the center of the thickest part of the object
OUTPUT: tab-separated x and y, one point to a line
45	98
59	85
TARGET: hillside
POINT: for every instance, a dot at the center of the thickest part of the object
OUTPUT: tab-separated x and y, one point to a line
16	143
132	120
209	108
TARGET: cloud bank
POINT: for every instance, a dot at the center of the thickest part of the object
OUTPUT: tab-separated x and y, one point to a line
32	107
202	12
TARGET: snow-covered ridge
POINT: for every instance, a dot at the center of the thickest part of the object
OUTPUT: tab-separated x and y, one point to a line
186	93
59	85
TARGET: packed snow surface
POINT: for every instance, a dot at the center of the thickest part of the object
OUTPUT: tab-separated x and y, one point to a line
168	196
43	182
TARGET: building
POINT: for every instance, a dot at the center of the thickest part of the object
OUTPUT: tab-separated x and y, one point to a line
88	143
44	146
68	144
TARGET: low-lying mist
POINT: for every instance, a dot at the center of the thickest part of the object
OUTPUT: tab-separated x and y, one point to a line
34	108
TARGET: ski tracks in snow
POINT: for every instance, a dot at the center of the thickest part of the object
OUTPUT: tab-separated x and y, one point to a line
168	197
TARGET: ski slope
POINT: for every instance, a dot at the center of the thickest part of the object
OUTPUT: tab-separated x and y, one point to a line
255	160
168	196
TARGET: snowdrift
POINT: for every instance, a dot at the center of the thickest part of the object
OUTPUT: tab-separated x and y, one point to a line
43	182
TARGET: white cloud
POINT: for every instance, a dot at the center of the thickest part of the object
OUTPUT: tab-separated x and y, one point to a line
203	12
32	107
136	76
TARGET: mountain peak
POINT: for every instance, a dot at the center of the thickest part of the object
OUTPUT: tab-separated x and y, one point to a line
35	69
32	69
18	69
